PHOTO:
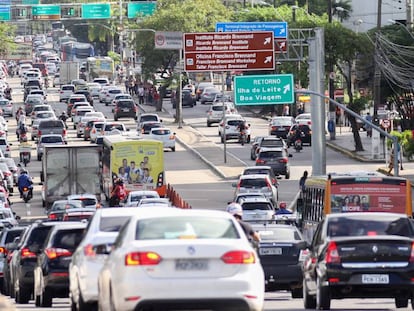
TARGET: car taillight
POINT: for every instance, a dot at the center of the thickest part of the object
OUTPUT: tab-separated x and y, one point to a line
3	250
172	137
260	161
26	253
52	217
39	133
142	259
89	251
7	174
238	257
332	255
53	253
64	132
412	252
284	160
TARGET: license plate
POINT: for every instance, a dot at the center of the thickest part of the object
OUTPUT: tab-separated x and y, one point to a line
281	129
125	110
191	264
375	279
270	251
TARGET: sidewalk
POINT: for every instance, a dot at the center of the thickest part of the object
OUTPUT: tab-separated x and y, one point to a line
213	155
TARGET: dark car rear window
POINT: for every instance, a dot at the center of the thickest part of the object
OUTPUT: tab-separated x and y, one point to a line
86	201
253	183
110	127
51	139
234	122
258	171
12	234
68	88
219	108
38	235
148	118
271	142
51	124
271	154
125	104
251	206
68	239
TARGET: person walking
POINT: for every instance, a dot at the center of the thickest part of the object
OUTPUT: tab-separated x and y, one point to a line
302	181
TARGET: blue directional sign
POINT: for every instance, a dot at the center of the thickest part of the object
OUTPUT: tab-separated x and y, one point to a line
280	29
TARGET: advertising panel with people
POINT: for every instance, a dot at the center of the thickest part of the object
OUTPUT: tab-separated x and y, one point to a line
138	162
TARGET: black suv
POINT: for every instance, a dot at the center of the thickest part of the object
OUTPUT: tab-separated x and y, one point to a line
125	108
24	260
51	273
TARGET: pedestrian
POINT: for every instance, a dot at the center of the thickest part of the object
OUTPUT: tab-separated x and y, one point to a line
368	127
285	110
228	82
283	209
302	181
391	163
141	94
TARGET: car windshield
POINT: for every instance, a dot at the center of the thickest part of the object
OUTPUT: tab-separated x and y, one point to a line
252	206
136	198
68	239
271	154
278	234
161	132
112	223
148	118
348	226
51	139
179	227
282	122
271	142
253	183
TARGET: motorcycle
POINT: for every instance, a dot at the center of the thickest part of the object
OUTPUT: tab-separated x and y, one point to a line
298	145
242	137
26	194
25	157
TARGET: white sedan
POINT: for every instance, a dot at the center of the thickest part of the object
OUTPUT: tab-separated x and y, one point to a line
164	135
181	258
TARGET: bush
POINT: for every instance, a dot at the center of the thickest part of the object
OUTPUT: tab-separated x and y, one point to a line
405	139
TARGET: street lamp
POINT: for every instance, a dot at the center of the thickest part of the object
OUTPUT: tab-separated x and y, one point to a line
402	25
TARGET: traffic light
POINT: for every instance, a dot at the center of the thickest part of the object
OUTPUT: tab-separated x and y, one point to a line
69	12
22	12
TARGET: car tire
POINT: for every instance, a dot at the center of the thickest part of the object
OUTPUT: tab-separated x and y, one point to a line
208	124
46	298
173	149
323	297
251	157
309	302
106	104
297	292
78	135
115	119
401	302
22	296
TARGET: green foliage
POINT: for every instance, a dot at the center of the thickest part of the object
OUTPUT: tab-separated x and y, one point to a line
405	139
115	56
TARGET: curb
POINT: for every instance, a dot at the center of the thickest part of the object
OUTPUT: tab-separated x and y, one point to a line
352	154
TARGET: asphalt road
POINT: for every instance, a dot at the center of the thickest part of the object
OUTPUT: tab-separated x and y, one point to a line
197	184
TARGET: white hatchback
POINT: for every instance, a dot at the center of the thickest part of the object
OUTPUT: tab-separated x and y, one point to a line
176	251
165	135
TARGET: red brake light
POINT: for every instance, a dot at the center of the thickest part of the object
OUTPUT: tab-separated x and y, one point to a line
412	252
89	251
3	250
53	253
332	255
142	259
52	216
26	253
238	257
260	161
284	160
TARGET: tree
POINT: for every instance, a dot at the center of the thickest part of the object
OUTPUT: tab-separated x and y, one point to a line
7	38
171	15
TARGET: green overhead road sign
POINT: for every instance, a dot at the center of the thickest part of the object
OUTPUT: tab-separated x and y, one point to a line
46	12
96	10
5	13
140	9
264	90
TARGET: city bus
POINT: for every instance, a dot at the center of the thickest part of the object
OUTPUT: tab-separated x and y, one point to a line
124	153
351	192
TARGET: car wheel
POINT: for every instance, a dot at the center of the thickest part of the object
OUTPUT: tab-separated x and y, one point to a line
33	138
297	293
251	156
39	158
401	302
323	297
208	124
37	301
22	295
106	104
173	149
78	135
115	119
74	127
309	302
46	298
82	305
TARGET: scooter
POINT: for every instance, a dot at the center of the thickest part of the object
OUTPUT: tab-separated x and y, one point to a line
25	157
242	137
26	194
298	145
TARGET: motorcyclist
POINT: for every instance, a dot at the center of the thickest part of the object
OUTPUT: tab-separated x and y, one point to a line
297	137
118	193
25	146
63	117
242	127
25	181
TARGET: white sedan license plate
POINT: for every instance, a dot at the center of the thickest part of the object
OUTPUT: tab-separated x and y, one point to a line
191	264
375	279
271	251
125	110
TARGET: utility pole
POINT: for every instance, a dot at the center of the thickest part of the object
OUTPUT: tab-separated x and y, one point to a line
377	72
332	107
410	14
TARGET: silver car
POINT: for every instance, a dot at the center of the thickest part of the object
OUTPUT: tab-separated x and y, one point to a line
257	183
257	209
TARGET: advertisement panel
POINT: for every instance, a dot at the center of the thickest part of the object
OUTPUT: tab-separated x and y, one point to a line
20	52
368	197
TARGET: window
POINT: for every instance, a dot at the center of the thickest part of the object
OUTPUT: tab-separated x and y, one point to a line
253	183
68	239
251	206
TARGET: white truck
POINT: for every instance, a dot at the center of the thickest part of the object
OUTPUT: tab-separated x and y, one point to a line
68	71
70	169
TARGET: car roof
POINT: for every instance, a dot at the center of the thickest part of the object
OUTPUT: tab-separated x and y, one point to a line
116	211
258	167
255	200
264	149
150	212
254	176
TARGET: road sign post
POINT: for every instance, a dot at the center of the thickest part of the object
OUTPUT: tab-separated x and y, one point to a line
243	51
264	90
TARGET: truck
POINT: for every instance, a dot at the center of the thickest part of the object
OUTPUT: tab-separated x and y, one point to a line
68	71
70	169
100	67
